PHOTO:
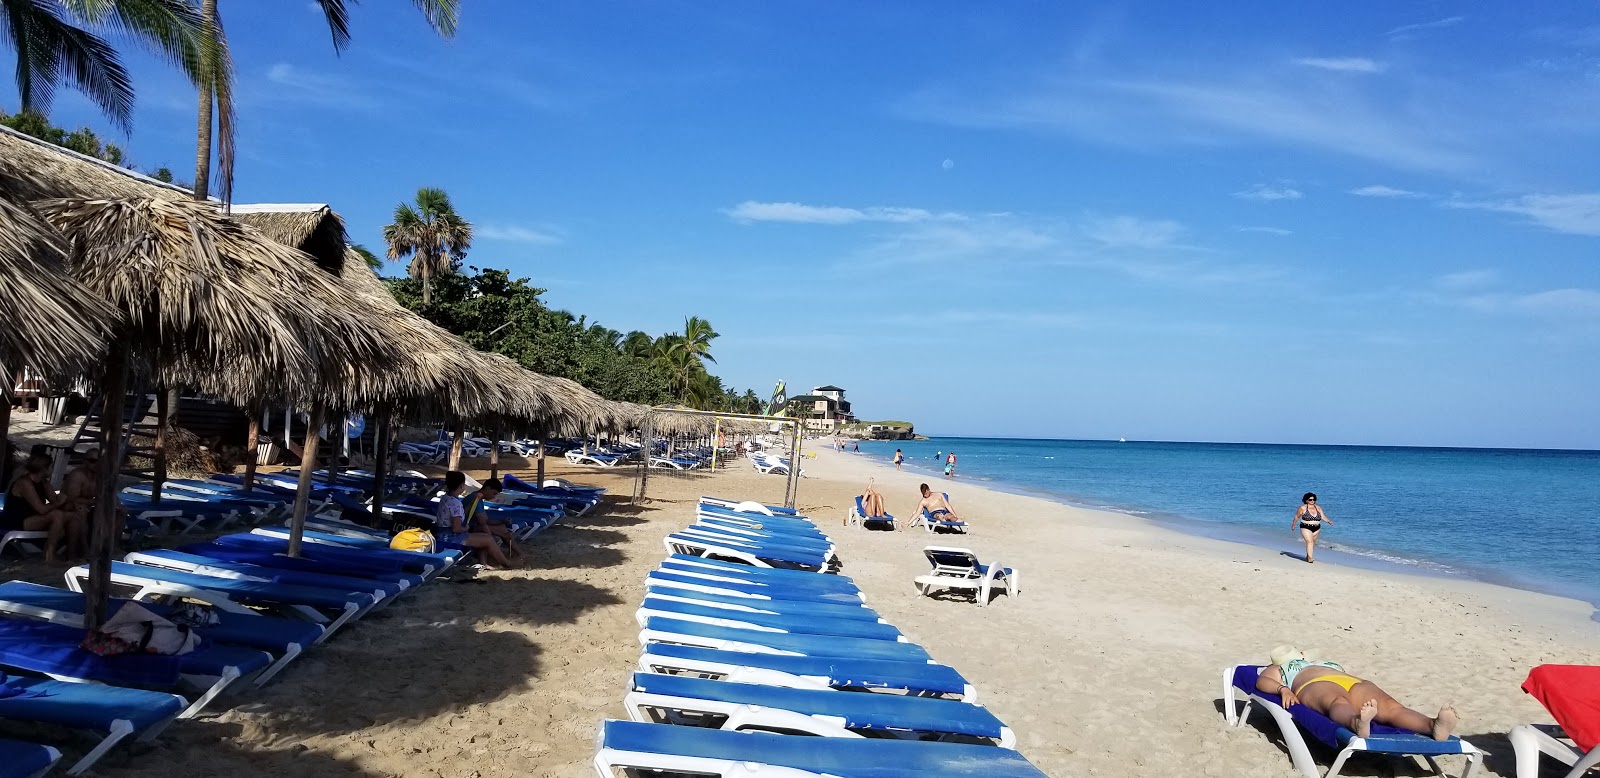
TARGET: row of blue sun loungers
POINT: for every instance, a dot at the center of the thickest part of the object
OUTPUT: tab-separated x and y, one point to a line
752	669
271	609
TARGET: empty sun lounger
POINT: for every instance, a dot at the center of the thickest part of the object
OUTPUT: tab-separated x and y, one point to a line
52	649
286	638
270	558
765	621
755	554
26	760
752	589
112	712
414	561
1239	693
926	679
678	699
222	568
644	749
693	633
1572	695
330	607
959	568
705	566
736	605
748	505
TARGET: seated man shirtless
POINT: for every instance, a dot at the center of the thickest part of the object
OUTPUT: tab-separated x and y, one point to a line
937	506
1350	701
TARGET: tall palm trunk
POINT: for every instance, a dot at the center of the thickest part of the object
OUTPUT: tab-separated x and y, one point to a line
202	146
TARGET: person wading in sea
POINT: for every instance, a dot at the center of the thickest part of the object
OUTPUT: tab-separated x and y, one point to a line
1309	520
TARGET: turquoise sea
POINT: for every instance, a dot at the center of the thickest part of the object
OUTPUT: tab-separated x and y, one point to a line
1518	517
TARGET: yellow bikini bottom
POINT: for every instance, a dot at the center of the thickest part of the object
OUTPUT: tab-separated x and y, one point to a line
1345	681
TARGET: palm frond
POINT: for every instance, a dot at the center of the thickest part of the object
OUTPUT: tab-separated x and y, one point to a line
442	15
49	50
338	22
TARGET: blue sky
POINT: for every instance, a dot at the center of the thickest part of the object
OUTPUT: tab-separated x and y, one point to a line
1364	222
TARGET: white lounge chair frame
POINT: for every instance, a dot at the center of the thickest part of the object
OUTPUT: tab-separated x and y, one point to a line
1236	710
723	671
980	578
1531	740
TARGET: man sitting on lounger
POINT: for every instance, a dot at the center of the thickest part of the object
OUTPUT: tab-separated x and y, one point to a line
482	521
450	523
937	505
1350	701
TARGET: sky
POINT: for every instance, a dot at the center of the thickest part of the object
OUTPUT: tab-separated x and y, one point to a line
1362	222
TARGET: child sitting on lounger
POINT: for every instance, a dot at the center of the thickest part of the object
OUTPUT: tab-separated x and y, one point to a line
1350	701
481	521
450	523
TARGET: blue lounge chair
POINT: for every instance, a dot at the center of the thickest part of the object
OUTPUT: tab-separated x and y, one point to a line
808	672
287	638
369	546
735	605
52	649
766	622
677	699
112	711
759	591
651	748
795	536
692	633
704	565
934	524
1239	694
762	538
858	515
748	505
22	759
382	591
758	555
959	568
329	607
426	565
268	558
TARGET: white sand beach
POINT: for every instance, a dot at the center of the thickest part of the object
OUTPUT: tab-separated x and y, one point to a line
1108	664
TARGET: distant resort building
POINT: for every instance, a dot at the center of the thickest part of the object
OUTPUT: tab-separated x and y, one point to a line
824	410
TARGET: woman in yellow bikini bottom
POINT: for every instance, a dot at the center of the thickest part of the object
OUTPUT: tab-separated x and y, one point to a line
1350	701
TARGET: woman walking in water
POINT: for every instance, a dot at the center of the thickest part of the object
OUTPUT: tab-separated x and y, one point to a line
1309	520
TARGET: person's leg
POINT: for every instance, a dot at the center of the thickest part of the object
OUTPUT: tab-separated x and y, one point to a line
504	533
54	524
1311	542
77	533
1389	711
488	550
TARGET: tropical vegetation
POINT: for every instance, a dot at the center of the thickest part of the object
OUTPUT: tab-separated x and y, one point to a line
431	234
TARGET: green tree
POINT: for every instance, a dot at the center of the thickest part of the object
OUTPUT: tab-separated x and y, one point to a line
51	49
431	234
214	76
82	140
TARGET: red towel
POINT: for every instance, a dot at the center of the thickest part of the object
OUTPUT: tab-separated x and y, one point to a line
1572	695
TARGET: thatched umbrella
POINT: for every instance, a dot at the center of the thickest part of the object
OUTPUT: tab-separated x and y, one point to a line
212	300
51	324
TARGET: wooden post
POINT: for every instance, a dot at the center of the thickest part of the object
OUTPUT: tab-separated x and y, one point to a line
792	491
494	452
337	435
646	437
302	492
540	471
164	402
103	529
458	435
252	440
380	458
5	431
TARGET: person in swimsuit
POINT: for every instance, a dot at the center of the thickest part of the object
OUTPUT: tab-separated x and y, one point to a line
450	523
1351	702
950	466
899	458
1309	520
872	501
31	507
480	520
937	506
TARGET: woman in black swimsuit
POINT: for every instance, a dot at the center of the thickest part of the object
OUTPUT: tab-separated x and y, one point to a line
1309	520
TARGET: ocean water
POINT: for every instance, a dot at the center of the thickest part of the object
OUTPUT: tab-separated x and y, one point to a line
1517	517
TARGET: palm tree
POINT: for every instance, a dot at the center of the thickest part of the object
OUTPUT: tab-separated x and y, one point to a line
50	49
697	337
214	75
432	234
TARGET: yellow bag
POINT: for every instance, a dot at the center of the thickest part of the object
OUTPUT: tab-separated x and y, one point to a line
413	540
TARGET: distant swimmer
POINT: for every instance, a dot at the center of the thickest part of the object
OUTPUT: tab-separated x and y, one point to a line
1309	520
1352	702
899	459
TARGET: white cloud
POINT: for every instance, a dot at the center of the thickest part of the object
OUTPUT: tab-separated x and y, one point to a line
1268	193
1265	230
800	213
1129	232
289	83
1407	30
1342	64
512	233
1572	302
1467	280
1576	214
948	164
1379	190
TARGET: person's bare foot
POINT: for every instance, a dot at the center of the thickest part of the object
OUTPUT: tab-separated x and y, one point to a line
1369	711
1445	723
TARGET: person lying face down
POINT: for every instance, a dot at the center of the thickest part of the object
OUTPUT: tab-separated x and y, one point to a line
1352	702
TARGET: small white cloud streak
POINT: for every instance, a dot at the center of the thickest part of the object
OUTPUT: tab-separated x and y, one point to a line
1574	214
511	233
1342	64
800	213
1267	193
1406	29
1129	232
1265	230
1379	190
1467	280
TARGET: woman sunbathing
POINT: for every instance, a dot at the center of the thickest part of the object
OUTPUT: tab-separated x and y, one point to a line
1350	701
873	502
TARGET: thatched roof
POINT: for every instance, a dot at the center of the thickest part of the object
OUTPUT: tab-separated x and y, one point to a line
43	170
312	228
218	305
49	323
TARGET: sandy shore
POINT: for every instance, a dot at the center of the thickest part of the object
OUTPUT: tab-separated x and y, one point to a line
1109	664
